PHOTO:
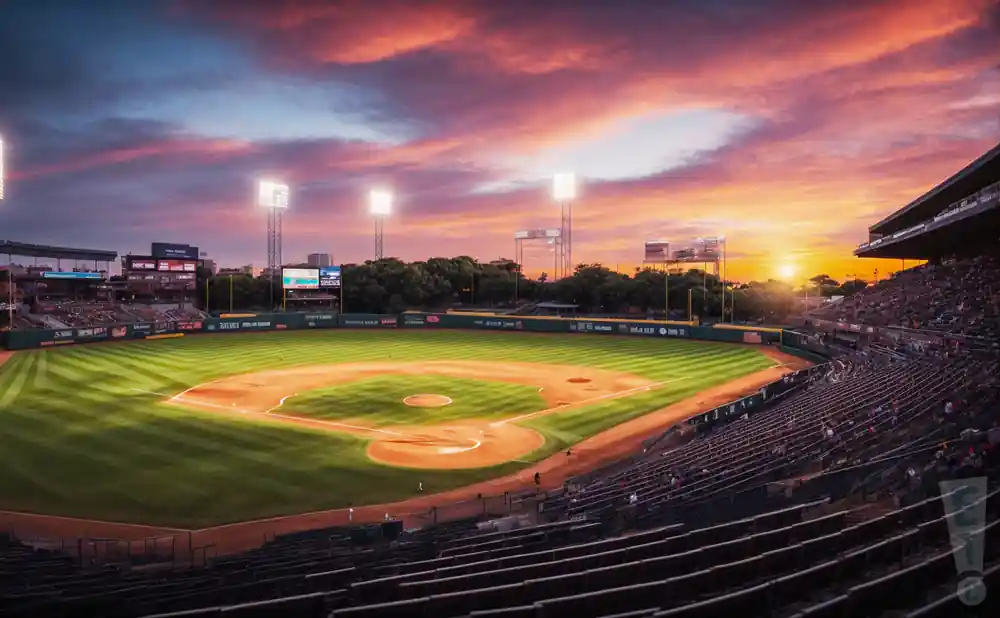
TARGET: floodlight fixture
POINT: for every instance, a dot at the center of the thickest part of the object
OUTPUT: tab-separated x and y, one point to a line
272	194
564	187
380	202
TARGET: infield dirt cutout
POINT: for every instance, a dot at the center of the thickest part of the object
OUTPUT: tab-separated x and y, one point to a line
468	443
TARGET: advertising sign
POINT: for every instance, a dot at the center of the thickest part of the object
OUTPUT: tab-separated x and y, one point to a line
140	263
368	321
50	274
176	266
167	251
300	278
320	320
329	277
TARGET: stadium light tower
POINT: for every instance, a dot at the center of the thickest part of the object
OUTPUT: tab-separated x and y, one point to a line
380	206
1	167
273	196
564	192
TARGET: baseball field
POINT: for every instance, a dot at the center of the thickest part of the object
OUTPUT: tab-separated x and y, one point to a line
206	430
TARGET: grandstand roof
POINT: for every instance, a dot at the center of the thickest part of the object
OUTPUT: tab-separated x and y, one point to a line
959	237
11	247
976	175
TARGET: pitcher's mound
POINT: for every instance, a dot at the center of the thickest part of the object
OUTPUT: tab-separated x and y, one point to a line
427	401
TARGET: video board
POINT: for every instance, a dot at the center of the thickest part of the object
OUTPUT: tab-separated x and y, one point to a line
329	277
165	250
300	278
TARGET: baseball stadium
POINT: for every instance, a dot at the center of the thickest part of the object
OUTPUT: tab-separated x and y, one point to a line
168	452
468	437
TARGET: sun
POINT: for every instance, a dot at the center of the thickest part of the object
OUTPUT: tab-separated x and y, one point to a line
787	271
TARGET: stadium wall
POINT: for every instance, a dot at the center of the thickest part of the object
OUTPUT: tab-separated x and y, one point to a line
43	338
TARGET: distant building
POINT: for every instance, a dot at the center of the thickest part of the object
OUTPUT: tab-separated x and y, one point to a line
319	260
240	270
210	265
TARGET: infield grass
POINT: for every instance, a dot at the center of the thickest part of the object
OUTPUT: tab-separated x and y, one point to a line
84	432
379	401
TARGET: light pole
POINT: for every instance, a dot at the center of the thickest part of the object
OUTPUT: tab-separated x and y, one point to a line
10	275
2	155
380	207
564	192
273	196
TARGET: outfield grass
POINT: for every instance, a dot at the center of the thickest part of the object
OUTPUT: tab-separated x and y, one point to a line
84	432
379	401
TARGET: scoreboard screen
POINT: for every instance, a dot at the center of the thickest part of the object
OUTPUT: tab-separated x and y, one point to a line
329	277
300	278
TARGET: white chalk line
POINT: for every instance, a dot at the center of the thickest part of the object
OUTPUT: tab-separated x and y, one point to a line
454	450
645	387
281	402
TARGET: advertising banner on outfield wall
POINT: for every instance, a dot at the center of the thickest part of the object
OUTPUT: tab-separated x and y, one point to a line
320	320
368	321
238	325
34	338
651	330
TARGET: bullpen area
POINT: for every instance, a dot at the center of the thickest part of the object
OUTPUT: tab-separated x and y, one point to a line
206	430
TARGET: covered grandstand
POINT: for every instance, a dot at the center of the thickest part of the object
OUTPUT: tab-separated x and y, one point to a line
957	218
11	248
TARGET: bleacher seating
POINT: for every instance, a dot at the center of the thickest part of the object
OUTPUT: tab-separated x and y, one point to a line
60	314
959	296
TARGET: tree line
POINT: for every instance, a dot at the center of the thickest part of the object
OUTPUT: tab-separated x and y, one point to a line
393	286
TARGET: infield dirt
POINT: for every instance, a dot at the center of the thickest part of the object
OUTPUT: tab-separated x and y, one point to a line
470	443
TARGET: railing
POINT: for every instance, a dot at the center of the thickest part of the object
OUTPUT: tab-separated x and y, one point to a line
980	198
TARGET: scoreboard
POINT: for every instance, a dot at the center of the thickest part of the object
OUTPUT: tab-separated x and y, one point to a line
152	274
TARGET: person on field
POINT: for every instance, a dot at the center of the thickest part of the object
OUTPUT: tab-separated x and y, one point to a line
538	479
350	514
420	486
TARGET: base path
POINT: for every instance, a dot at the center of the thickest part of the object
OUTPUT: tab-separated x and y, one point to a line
469	443
5	356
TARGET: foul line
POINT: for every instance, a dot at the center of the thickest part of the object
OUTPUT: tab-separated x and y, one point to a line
647	387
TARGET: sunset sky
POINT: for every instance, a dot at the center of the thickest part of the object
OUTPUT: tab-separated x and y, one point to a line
788	126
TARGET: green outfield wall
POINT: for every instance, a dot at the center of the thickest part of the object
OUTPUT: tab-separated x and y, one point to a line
42	338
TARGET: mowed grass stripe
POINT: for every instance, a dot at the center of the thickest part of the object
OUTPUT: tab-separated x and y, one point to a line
22	371
78	440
